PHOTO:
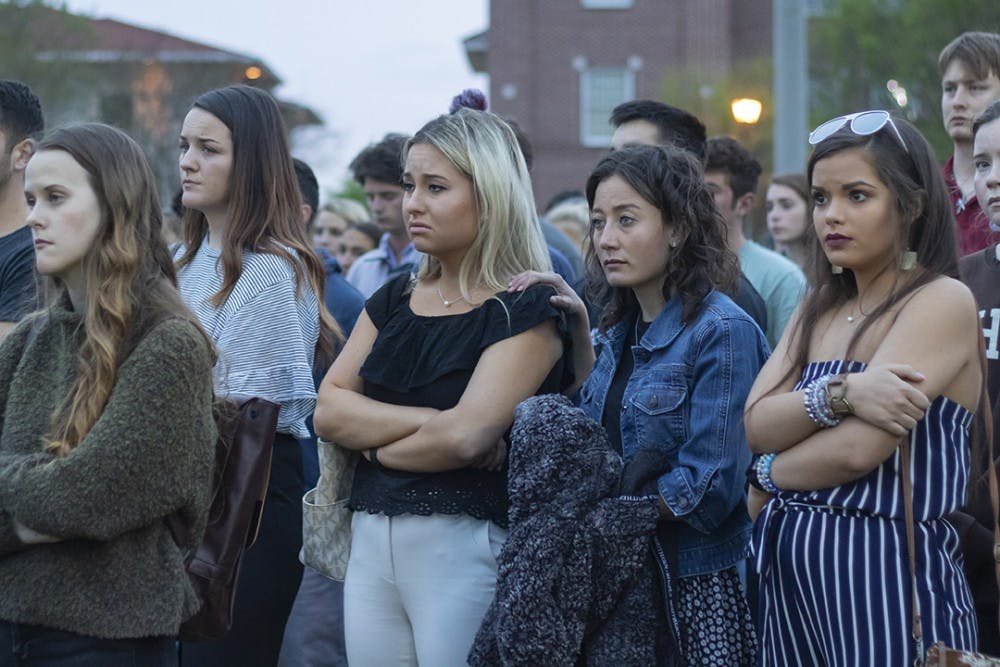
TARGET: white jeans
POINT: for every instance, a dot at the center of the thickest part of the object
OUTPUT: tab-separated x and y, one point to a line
417	588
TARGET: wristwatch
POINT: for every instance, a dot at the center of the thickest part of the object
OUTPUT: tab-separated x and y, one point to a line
836	396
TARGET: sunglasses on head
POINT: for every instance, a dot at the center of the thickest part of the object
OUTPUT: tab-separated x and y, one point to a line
863	123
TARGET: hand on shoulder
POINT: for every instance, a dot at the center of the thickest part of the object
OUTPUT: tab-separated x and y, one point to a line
565	299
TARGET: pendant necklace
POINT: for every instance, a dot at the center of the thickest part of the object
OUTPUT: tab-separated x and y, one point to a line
862	313
446	302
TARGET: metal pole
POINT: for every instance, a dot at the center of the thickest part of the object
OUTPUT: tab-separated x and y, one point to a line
791	85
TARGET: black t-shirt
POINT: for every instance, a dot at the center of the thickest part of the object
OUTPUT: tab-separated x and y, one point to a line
980	271
750	300
17	275
616	391
428	362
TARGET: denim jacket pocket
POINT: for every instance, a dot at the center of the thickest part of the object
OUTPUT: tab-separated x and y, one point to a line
659	414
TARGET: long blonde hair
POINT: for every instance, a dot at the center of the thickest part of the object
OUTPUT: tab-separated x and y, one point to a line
129	277
483	147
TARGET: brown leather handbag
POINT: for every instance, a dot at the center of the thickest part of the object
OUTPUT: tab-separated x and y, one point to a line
239	486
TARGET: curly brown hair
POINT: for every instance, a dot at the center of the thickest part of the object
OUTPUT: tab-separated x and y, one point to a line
671	180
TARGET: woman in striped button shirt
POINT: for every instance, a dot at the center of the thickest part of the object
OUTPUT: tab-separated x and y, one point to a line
247	270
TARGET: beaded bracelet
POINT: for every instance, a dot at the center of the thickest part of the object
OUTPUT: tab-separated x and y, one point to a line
764	472
816	404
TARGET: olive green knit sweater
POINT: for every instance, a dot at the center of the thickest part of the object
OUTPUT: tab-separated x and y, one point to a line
116	572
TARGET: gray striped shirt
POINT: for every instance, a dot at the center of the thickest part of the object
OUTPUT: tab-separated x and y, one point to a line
265	332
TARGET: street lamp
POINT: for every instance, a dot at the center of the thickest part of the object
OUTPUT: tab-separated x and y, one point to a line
746	110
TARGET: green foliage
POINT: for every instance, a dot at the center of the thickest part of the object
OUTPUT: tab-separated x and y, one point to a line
32	34
710	102
857	46
351	189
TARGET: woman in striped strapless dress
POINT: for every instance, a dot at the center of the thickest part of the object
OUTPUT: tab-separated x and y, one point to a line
883	354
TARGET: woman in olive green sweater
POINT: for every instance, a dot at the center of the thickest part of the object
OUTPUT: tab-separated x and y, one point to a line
105	419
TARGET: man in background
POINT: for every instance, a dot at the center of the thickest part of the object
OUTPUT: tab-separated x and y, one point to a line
970	81
731	173
379	170
21	124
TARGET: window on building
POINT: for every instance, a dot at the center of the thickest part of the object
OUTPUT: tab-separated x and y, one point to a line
601	90
606	4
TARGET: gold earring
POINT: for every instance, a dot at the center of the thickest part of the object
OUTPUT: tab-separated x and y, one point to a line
908	260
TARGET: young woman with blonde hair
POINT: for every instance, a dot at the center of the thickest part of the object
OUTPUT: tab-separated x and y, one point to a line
426	388
106	422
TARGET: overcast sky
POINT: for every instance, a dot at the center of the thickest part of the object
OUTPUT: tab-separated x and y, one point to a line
366	66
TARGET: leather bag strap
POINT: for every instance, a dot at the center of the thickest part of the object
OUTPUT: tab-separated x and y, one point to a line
915	630
987	416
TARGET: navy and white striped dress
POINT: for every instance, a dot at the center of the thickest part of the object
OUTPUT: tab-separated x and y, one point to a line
834	573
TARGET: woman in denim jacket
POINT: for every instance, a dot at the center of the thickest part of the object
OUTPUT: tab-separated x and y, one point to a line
675	360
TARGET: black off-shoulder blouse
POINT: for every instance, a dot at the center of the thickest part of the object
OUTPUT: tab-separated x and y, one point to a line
427	362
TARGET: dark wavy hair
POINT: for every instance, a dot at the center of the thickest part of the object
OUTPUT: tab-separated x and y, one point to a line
382	161
676	127
913	177
670	179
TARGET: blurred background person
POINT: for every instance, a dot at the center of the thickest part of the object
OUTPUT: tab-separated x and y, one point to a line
572	218
357	239
314	634
21	125
731	172
789	216
332	221
379	170
969	67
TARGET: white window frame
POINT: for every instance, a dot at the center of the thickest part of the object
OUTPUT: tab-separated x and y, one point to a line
606	4
601	138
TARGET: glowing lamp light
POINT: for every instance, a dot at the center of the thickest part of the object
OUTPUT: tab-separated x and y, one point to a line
253	73
898	92
746	110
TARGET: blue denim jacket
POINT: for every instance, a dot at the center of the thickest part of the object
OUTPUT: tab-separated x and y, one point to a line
686	395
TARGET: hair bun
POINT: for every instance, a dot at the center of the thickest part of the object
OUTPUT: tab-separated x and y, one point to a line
470	98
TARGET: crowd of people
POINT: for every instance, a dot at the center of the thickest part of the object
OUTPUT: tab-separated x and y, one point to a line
806	418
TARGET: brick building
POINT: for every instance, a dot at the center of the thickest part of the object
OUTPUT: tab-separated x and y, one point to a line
558	67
